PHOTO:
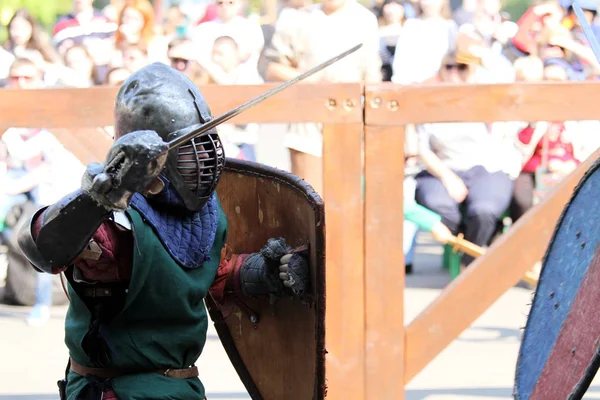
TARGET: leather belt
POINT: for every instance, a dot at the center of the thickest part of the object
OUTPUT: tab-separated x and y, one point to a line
108	373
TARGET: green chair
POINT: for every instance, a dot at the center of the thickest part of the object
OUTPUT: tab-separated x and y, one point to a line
451	258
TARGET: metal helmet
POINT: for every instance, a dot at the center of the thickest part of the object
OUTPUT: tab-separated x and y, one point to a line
162	99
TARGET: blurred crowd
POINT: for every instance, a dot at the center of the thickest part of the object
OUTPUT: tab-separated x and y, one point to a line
468	176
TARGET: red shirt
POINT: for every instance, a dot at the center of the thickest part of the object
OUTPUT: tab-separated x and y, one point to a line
558	148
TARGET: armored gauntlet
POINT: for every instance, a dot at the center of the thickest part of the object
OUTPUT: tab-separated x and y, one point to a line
274	271
132	163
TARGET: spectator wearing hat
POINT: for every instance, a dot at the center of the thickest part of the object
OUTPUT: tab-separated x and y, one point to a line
82	23
489	65
469	166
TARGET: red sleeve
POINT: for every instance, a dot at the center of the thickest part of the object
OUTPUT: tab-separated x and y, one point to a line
108	259
227	279
526	134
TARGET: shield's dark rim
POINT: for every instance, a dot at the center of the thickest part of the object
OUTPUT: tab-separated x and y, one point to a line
298	184
576	190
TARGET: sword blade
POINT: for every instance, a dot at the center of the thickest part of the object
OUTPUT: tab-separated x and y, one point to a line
587	30
251	103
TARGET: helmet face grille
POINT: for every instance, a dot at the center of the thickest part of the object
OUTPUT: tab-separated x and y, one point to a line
200	162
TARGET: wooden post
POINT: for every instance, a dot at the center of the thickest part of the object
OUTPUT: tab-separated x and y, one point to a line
384	262
345	319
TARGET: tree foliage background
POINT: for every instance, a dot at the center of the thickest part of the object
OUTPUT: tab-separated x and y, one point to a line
45	11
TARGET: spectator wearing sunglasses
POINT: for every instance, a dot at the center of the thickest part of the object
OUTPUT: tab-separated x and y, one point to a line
24	74
469	166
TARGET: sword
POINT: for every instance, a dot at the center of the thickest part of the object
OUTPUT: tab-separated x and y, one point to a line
199	130
587	30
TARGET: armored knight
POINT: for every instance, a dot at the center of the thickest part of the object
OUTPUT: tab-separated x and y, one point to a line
143	242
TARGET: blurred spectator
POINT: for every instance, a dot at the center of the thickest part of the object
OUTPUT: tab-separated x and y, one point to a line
182	57
490	66
111	11
551	149
465	13
529	69
82	23
24	74
294	49
225	67
135	57
423	43
116	76
571	22
467	165
82	72
558	43
296	4
27	40
488	23
246	33
391	17
6	59
40	170
210	14
227	70
176	23
136	27
181	54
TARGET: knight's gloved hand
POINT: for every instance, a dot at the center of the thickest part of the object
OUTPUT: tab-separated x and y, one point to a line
273	271
294	273
132	163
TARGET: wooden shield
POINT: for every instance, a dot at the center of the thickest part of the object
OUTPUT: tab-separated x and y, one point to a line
560	351
277	350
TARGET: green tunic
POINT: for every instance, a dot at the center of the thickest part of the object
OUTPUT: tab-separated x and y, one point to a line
163	324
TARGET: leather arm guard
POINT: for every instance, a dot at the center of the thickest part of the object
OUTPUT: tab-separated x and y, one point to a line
66	228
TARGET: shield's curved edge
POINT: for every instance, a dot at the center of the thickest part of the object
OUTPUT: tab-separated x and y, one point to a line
300	185
576	190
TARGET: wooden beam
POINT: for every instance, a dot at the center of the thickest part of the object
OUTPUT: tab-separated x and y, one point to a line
72	142
93	107
345	320
389	104
384	262
491	275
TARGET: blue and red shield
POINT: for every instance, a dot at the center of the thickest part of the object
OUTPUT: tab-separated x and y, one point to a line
560	352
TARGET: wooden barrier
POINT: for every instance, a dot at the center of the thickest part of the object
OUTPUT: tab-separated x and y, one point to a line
390	107
369	349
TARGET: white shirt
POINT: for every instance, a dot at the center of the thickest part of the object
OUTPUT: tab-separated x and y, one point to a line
247	34
64	172
421	48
